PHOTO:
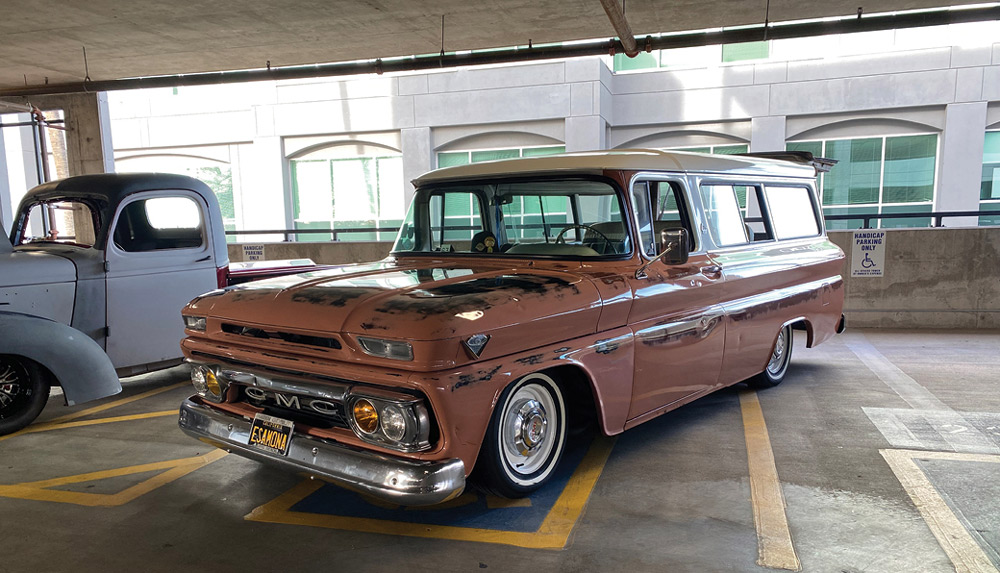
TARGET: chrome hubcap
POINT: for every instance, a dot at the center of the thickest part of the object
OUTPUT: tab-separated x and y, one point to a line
778	354
524	437
529	426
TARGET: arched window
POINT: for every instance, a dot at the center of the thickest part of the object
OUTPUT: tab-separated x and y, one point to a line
348	186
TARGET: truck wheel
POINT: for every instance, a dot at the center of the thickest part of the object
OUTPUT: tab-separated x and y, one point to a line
777	364
525	439
23	393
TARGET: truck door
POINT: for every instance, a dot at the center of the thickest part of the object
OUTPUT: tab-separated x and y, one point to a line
676	316
159	257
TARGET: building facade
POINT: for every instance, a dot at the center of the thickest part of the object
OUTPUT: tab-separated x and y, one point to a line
913	116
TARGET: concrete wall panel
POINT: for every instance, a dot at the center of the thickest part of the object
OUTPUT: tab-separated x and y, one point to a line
474	79
869	64
691	106
492	106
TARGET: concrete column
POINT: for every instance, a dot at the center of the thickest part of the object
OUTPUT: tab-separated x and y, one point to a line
266	188
586	133
767	133
88	137
961	165
418	157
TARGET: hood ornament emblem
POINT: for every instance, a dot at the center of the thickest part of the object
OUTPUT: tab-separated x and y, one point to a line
475	344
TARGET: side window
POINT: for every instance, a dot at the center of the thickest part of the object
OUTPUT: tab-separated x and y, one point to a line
159	223
792	212
722	210
659	206
757	225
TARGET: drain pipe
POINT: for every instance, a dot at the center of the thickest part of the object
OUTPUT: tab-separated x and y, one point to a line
624	31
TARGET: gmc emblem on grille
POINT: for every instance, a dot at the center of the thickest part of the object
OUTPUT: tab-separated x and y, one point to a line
294	402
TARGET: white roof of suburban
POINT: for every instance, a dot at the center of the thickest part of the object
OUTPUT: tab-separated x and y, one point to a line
623	159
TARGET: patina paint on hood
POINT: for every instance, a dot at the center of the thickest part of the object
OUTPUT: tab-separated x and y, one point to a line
410	300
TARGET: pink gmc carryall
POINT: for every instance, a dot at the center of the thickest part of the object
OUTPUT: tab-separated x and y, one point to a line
521	297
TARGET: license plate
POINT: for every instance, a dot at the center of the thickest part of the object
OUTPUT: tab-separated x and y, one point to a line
271	434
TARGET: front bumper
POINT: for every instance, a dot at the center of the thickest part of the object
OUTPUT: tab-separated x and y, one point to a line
394	480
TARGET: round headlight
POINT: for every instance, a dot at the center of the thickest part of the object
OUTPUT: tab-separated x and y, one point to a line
198	379
393	423
212	383
365	416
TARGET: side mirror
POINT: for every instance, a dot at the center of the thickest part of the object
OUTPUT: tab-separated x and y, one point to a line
674	246
673	250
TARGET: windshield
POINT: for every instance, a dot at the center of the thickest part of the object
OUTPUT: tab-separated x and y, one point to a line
572	218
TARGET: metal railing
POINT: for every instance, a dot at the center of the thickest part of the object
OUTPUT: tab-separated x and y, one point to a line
936	216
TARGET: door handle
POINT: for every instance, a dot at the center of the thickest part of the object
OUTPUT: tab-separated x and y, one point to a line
203	259
712	271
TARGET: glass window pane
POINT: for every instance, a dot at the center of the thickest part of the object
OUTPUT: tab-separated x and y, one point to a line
495	154
453	159
989	219
730	149
354	193
723	212
391	202
849	223
745	51
909	169
991	167
695	149
313	191
855	179
907	222
791	210
540	151
642	61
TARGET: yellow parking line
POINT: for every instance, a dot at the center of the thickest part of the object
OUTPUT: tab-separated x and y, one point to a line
59	423
174	469
80	423
115	404
552	534
774	539
965	553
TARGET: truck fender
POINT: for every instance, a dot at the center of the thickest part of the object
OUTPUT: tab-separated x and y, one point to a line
78	364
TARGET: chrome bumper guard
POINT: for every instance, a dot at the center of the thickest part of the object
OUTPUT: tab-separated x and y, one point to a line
393	480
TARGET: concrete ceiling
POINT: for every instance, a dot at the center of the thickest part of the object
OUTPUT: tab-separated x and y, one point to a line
44	38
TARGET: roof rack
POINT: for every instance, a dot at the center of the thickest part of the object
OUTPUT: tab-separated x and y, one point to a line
821	164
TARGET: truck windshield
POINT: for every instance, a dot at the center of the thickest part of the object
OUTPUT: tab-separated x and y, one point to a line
560	218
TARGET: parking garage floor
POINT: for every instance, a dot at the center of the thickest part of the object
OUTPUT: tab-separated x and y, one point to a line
879	452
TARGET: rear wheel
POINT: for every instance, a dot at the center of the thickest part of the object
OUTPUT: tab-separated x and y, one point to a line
525	439
23	393
777	364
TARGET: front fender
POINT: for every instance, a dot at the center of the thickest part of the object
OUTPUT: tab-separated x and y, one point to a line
79	365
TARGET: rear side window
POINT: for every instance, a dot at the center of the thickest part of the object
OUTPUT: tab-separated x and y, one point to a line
722	209
159	223
792	212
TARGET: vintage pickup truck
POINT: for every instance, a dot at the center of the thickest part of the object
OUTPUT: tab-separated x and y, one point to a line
520	297
93	278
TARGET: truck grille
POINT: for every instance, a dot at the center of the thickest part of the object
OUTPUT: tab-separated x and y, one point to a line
300	408
291	337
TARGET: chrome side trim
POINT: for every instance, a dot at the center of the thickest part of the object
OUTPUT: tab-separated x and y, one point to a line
394	480
700	325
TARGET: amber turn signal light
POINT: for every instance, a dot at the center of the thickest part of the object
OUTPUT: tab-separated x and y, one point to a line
365	416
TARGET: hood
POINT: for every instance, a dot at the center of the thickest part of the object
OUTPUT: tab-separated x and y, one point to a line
520	308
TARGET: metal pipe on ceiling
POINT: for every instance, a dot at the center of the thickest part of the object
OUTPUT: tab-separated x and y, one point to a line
617	16
773	31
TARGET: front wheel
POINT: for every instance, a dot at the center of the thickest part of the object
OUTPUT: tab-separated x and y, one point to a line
525	438
777	364
23	393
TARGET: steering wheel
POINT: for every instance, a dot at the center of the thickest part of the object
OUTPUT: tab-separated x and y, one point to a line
607	241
